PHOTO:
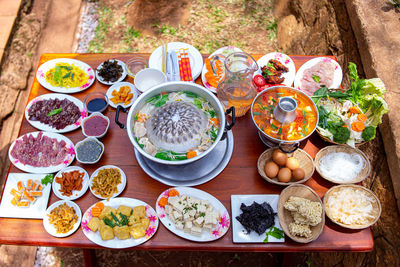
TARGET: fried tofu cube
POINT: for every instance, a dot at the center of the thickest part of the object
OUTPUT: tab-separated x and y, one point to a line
106	232
124	210
146	223
106	212
94	224
137	231
196	231
133	219
139	211
121	232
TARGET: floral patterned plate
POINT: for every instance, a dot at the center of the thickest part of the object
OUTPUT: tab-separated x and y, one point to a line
337	74
42	70
219	231
50	169
45	127
285	60
225	51
117	243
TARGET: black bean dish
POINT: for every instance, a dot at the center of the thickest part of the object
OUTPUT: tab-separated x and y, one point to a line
256	217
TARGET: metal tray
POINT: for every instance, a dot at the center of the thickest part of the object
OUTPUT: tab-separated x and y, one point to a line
192	174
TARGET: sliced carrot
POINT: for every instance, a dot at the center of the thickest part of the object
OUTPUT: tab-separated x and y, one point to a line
357	126
191	154
354	110
362	117
96	211
163	201
214	121
100	205
173	193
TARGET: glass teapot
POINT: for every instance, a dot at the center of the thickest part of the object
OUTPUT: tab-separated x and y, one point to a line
237	88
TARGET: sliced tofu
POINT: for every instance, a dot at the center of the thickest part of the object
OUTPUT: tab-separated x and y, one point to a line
205	202
179	225
202	208
196	231
192	212
188	227
207	227
199	221
186	217
177	215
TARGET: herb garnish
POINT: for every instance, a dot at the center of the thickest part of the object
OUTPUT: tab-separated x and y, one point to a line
47	179
274	232
54	112
316	78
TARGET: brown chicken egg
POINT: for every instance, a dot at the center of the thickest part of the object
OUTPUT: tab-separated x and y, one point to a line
279	157
298	174
284	175
271	169
292	163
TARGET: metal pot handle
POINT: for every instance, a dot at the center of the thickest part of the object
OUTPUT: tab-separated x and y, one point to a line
229	126
297	144
119	107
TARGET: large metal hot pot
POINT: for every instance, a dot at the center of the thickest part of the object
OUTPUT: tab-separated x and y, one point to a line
176	87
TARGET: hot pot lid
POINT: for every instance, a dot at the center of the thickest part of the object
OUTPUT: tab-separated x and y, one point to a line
176	126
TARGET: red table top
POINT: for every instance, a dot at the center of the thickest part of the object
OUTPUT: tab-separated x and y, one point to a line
239	177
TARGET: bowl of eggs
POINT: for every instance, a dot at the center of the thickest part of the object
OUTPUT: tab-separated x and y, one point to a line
282	168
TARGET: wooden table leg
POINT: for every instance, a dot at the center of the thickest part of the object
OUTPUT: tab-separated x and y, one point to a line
89	257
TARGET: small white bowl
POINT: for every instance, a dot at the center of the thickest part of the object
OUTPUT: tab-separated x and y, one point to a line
84	140
95	114
148	78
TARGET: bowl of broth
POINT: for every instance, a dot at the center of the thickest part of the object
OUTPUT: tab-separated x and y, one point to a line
284	116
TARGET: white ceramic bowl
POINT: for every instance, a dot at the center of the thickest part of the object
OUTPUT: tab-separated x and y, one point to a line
84	140
148	78
95	114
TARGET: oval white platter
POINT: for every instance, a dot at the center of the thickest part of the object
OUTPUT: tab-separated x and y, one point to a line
337	76
75	193
120	187
116	87
123	75
44	127
42	70
195	58
50	228
117	243
215	233
51	169
225	51
282	58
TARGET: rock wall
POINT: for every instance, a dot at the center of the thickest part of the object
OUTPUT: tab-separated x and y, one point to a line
317	27
322	27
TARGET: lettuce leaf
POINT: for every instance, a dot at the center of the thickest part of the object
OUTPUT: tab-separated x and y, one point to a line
374	86
374	107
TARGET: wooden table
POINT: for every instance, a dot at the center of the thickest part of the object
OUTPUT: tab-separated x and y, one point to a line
239	177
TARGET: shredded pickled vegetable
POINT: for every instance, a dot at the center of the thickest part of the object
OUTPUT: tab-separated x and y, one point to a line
105	182
63	218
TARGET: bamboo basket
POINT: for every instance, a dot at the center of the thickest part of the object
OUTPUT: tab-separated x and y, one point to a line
305	160
376	207
285	216
347	149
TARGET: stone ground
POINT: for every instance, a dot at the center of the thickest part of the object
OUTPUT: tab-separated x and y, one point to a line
304	27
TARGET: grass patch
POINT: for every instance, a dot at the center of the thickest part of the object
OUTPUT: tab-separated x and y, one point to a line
105	17
130	35
272	28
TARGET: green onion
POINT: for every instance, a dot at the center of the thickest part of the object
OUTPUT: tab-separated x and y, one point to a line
274	127
273	100
257	113
280	131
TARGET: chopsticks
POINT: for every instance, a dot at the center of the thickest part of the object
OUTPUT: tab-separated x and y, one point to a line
164	57
184	65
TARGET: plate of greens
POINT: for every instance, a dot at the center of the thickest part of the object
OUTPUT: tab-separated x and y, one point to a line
351	116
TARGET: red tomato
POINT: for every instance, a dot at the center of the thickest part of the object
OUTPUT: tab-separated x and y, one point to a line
259	81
